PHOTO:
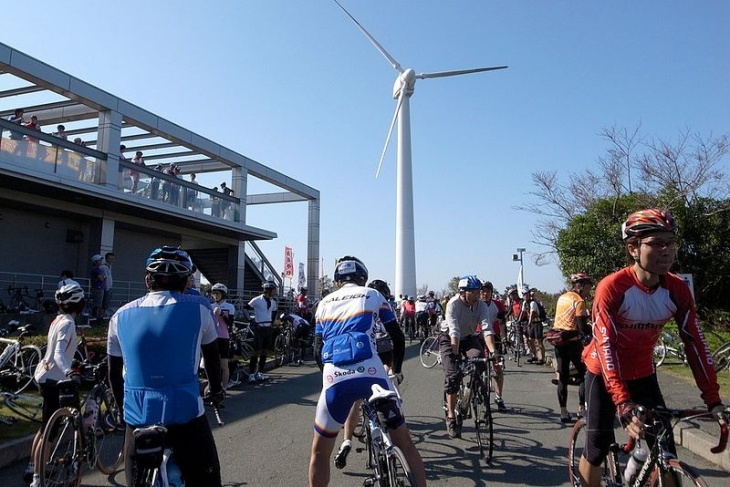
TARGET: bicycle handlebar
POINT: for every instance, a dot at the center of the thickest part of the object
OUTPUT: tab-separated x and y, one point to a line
686	414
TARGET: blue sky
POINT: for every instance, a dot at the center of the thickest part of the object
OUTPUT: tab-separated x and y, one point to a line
295	85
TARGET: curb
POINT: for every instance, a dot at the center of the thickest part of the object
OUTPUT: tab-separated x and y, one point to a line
15	451
699	443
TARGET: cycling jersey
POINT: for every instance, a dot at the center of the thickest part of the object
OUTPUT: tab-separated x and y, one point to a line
462	320
354	310
60	350
158	337
492	317
224	319
570	306
263	309
408	309
628	318
297	322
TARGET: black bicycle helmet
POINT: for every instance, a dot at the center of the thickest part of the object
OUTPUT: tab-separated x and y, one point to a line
380	286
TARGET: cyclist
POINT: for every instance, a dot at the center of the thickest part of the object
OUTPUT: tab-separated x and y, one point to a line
264	309
422	315
464	312
496	311
345	346
530	314
154	347
391	349
408	315
571	317
56	365
434	310
300	331
224	313
630	309
303	305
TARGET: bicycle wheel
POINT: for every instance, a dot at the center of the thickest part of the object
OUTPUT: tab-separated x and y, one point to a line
59	462
109	435
483	424
26	363
430	352
660	352
28	407
681	473
721	358
279	350
399	473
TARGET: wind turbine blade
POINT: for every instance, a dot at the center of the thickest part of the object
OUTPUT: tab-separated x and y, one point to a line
377	45
443	74
390	132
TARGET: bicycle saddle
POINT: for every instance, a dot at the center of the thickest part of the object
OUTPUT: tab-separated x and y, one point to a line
379	394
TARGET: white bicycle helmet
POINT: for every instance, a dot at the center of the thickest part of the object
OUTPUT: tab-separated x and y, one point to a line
69	293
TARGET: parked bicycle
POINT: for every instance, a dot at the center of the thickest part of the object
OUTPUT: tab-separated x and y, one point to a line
430	352
24	405
670	344
242	338
77	439
473	401
659	466
721	357
18	361
514	347
389	465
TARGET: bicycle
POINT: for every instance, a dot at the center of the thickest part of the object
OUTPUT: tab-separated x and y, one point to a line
473	401
25	406
660	462
18	361
389	465
515	345
284	351
242	338
18	300
721	357
77	438
430	352
669	344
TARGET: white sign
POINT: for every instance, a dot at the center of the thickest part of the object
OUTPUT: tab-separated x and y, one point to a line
687	278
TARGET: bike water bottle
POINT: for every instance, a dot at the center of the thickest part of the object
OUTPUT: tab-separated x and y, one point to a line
638	457
174	475
91	412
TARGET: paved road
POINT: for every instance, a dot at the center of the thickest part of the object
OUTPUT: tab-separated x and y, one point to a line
266	438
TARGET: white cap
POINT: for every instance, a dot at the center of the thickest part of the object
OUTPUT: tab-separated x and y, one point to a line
96	257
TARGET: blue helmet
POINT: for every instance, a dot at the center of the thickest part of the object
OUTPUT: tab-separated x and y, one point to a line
469	283
169	261
350	269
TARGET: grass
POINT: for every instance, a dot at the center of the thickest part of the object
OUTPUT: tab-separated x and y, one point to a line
684	373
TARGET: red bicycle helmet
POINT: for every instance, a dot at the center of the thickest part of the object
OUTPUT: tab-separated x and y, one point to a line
580	277
644	222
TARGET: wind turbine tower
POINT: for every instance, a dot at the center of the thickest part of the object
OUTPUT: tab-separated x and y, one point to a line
403	88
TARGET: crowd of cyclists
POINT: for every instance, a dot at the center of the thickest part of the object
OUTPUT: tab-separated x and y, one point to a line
155	345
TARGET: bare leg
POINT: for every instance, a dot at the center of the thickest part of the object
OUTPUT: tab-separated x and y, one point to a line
590	476
319	460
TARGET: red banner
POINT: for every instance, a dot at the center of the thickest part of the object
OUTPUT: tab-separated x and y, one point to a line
288	262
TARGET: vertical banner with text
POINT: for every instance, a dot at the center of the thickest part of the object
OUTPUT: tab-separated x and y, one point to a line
288	262
302	280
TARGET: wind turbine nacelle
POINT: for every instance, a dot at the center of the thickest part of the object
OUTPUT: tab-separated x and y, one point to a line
408	79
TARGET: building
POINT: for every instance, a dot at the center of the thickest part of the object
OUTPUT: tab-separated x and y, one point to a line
61	201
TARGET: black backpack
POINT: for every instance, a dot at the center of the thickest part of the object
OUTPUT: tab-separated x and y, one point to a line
542	312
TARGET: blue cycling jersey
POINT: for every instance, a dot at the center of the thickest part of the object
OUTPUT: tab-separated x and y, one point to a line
158	337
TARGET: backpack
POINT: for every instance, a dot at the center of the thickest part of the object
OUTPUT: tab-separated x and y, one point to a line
542	313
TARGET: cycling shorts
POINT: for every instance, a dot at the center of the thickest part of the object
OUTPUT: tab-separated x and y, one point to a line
224	347
534	330
602	413
345	384
470	346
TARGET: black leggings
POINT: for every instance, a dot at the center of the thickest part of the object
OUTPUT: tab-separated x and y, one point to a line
564	355
602	413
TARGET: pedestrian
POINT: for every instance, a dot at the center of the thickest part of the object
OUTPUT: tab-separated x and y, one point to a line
97	283
106	267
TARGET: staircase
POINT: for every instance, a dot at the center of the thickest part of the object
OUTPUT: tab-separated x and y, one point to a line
214	265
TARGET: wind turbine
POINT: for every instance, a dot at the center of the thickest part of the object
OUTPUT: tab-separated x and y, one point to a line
405	248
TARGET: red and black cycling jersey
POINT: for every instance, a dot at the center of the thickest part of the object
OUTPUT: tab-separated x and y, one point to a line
627	320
